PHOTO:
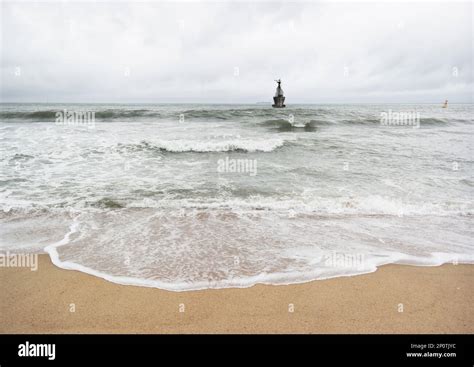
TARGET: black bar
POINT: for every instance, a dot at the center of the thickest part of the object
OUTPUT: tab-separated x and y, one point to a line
381	349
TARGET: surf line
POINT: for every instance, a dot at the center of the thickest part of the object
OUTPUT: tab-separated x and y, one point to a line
51	250
53	253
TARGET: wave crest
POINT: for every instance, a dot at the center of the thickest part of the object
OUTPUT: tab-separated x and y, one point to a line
200	146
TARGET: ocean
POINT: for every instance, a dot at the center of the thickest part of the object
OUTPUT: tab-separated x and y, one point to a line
187	197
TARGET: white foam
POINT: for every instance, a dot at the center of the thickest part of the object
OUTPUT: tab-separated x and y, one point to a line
311	204
249	145
275	278
197	251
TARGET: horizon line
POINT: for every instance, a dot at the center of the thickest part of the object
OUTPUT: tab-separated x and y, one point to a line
233	103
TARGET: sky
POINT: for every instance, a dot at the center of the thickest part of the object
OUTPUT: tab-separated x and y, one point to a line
232	51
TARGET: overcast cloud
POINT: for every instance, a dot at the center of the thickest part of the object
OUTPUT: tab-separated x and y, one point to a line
232	52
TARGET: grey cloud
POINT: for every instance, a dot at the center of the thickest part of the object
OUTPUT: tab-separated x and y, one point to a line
185	52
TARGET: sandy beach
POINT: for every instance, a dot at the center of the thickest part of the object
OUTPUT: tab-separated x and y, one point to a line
53	300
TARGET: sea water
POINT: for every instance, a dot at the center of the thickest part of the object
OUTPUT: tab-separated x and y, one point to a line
185	197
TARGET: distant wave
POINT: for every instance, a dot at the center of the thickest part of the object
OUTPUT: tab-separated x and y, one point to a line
276	122
214	114
299	122
432	121
208	114
243	145
117	114
50	115
361	121
35	115
285	125
308	118
107	203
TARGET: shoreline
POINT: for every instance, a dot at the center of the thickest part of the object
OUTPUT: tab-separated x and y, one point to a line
393	299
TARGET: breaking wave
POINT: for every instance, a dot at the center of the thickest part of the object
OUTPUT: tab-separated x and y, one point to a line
263	116
36	115
205	146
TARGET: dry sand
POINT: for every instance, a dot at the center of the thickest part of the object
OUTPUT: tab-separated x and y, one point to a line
434	299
